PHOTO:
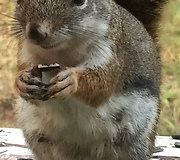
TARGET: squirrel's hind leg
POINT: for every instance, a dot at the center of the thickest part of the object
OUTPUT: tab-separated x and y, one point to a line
40	147
137	123
136	148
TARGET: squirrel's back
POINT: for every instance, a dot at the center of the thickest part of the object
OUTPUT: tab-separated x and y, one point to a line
147	11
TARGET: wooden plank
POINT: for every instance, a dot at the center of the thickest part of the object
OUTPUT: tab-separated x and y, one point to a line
13	146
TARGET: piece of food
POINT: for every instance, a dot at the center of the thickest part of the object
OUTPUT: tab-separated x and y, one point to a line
37	70
45	68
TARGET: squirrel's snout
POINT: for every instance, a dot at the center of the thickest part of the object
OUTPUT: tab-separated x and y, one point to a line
36	34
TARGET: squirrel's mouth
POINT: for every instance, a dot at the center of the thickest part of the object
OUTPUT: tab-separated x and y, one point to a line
50	46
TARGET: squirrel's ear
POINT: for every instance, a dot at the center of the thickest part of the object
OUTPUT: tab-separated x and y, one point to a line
79	2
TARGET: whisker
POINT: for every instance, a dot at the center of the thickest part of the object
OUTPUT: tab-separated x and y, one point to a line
16	32
88	32
12	31
63	32
14	18
15	41
92	36
15	24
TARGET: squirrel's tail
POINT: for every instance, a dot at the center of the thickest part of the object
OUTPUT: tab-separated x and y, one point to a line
147	11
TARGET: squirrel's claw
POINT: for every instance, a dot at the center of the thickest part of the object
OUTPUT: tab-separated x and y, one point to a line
63	85
29	87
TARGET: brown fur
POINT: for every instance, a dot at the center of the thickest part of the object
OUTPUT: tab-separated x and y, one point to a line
96	86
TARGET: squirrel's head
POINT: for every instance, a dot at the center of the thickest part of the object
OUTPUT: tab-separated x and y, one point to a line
51	23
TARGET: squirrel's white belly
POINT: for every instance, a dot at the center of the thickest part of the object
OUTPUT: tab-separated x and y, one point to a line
73	122
77	122
68	119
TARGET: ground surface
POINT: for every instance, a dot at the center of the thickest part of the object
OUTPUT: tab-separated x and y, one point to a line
170	39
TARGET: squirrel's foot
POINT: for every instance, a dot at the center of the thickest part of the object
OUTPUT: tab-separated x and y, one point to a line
29	87
63	85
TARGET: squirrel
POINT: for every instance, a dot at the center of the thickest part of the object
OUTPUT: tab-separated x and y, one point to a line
103	102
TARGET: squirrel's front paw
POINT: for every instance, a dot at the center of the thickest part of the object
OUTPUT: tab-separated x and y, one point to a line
29	87
63	85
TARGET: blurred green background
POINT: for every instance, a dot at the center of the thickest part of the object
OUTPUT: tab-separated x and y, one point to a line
169	40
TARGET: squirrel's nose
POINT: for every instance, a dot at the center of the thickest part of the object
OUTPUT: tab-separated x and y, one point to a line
36	34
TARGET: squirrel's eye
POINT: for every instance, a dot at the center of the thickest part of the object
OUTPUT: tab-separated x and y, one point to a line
79	2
